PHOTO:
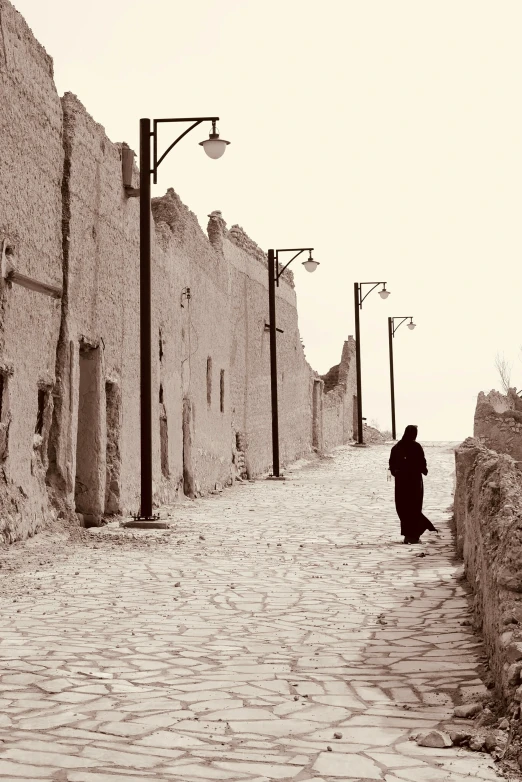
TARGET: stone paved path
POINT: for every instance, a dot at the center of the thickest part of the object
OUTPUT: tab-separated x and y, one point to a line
240	643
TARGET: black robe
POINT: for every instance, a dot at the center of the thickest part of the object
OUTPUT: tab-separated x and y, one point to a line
408	465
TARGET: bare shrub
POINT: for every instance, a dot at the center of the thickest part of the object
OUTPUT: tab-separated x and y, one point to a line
504	370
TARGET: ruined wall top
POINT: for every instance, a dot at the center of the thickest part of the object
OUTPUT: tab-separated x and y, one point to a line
14	48
170	209
217	231
338	374
497	403
497	422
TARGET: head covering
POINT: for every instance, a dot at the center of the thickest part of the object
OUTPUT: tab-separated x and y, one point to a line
410	434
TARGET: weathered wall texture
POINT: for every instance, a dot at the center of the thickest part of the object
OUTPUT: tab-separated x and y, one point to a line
498	422
202	356
250	358
31	164
340	387
69	367
99	331
488	515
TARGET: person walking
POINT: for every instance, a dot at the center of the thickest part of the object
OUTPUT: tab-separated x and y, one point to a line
408	465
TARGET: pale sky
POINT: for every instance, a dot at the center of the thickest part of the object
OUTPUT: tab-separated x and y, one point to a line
384	133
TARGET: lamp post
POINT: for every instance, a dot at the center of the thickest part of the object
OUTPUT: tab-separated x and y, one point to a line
392	328
358	301
214	147
273	279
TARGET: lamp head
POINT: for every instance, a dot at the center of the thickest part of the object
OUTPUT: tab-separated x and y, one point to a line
411	325
384	293
213	145
310	265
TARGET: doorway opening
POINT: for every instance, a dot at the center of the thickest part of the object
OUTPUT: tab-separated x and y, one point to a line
164	436
188	474
113	454
316	415
87	485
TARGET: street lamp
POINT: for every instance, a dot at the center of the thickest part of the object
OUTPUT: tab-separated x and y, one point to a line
358	301
273	279
392	328
214	147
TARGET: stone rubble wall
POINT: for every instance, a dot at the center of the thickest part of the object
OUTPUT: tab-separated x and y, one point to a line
69	367
488	517
498	422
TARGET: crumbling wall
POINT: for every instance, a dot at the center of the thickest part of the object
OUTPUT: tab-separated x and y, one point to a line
69	367
488	516
498	422
99	314
31	164
194	298
340	384
199	283
250	358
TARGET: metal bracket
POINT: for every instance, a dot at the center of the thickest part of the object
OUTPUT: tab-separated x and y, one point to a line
9	274
361	297
278	271
394	327
185	292
155	161
267	328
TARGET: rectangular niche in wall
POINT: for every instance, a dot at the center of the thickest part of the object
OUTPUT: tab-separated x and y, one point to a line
113	455
209	381
164	436
88	445
316	415
42	401
2	393
4	415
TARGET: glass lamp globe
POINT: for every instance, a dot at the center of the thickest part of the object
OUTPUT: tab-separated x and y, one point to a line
411	326
310	265
384	293
214	146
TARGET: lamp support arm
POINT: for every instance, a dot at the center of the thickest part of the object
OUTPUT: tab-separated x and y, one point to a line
279	273
155	161
297	252
374	284
394	327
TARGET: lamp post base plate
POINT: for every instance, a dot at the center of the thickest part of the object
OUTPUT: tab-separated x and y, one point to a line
151	523
360	445
276	478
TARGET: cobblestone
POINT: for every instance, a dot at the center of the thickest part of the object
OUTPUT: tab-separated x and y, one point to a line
299	617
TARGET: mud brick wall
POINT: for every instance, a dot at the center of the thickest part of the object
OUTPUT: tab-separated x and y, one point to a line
488	515
498	422
98	317
340	388
31	165
69	367
250	358
199	344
